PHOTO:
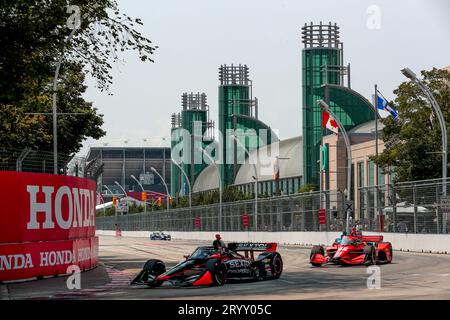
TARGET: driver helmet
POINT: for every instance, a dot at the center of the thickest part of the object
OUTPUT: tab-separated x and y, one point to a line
218	237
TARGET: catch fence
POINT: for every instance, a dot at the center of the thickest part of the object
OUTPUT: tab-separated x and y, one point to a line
28	160
412	207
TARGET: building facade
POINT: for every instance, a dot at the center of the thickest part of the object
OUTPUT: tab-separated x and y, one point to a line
119	163
364	170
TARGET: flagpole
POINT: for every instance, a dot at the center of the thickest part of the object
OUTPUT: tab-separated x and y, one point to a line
375	98
376	128
322	104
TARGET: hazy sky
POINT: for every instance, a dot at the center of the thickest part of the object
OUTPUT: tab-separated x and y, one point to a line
196	36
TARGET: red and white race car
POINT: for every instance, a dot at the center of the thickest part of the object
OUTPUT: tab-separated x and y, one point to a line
210	266
353	250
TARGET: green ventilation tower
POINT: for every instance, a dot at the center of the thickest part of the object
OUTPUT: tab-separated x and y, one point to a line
194	120
238	111
175	173
323	75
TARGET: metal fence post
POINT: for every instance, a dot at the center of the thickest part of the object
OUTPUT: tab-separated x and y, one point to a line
415	209
394	207
292	224
327	210
21	157
367	210
313	213
277	204
437	207
280	218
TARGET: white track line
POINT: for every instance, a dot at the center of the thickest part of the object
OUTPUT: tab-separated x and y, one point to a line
4	294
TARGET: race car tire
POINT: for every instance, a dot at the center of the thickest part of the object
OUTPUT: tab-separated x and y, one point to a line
383	257
390	252
316	250
218	271
369	258
276	265
155	268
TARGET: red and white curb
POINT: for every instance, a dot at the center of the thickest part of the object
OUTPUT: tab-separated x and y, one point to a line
118	279
4	294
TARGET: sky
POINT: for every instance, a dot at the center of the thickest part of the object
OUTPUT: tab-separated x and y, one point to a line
195	37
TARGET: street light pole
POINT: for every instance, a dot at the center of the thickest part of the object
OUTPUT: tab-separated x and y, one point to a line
220	187
143	190
187	179
124	192
322	104
320	182
255	218
165	185
54	111
437	110
112	196
108	189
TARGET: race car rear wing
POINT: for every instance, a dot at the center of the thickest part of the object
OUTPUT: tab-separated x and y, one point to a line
253	246
372	239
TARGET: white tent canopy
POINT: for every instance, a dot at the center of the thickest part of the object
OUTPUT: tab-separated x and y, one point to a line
403	207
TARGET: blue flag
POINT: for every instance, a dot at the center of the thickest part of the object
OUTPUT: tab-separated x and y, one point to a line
384	109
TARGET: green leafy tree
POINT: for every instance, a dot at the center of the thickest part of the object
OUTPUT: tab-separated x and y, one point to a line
34	37
308	188
413	143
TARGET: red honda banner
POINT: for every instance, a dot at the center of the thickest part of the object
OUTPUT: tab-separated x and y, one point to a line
45	207
47	223
36	259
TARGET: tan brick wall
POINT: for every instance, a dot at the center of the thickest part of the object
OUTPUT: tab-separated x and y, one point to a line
363	146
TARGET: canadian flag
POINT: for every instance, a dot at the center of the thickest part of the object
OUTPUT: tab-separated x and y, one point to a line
329	123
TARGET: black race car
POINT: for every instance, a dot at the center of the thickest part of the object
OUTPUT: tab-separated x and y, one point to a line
160	236
207	266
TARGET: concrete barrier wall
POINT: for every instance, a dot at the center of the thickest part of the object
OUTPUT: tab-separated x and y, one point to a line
433	243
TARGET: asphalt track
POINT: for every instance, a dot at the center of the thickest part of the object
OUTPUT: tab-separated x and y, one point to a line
410	276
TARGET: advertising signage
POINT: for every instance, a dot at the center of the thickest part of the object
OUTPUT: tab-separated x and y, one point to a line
47	224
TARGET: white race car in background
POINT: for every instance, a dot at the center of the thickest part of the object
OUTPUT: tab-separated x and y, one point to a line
160	236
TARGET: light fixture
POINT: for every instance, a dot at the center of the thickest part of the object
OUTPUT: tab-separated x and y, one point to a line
407	72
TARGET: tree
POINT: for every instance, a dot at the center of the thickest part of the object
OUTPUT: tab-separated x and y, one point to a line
308	188
34	36
413	143
17	130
